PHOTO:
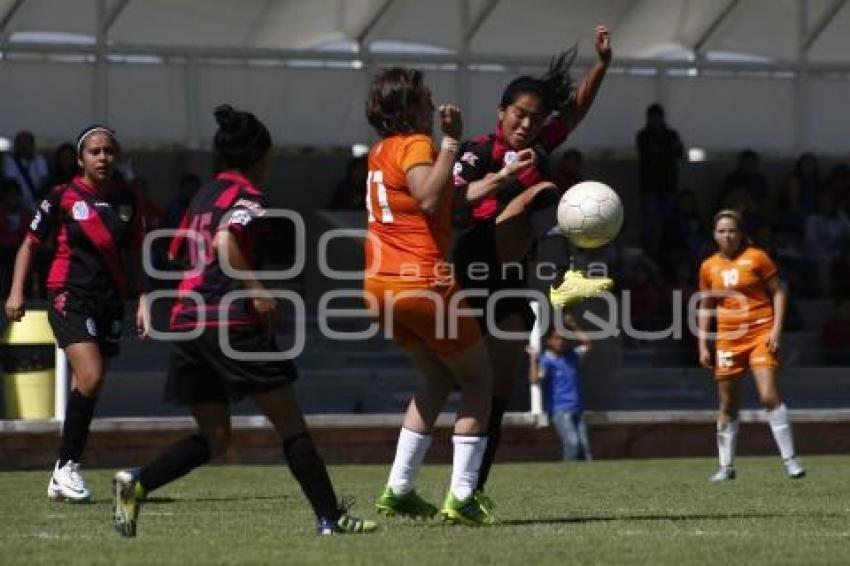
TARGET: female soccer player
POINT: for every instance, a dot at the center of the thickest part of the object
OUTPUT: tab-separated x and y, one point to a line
410	286
95	220
225	222
505	182
740	286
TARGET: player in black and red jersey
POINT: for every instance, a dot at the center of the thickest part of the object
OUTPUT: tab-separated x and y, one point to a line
95	221
504	181
226	229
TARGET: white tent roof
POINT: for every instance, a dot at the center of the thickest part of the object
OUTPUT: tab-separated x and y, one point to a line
772	31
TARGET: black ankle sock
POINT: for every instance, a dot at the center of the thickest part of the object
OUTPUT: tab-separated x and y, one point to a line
494	434
75	431
175	462
310	472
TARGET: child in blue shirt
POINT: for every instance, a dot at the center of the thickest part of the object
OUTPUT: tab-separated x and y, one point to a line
558	371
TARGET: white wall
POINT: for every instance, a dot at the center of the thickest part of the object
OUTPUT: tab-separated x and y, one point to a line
148	104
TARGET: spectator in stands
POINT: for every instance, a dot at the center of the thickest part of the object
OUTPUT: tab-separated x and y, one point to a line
153	212
64	166
838	183
558	370
14	220
26	167
684	281
683	235
827	235
835	335
788	236
840	278
659	151
790	221
806	179
190	184
748	179
350	191
567	169
741	201
644	286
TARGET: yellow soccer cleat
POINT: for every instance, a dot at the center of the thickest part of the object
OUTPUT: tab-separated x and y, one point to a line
470	512
576	287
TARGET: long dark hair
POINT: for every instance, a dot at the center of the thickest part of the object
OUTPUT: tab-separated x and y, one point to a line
555	87
393	98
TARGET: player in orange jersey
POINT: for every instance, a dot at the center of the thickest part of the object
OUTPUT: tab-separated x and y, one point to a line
410	285
741	287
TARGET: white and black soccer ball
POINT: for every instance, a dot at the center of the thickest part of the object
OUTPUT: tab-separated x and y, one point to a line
590	214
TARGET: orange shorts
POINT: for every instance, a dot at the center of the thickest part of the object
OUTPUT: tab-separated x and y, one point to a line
734	357
420	311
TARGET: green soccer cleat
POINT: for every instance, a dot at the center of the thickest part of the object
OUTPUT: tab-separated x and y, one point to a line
576	287
127	494
470	512
406	505
485	502
346	523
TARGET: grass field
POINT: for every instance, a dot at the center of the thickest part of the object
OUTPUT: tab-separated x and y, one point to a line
612	512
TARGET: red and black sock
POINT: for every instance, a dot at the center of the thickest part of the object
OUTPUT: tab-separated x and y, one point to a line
177	461
310	472
75	431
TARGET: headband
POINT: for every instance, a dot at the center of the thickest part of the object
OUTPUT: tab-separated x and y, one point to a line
92	130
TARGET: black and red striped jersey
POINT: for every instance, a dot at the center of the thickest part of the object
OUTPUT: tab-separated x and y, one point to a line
489	153
228	202
91	228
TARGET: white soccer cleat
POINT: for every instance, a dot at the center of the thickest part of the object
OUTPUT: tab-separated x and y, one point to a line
723	473
67	484
794	468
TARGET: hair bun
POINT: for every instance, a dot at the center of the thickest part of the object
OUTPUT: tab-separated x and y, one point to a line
241	139
226	117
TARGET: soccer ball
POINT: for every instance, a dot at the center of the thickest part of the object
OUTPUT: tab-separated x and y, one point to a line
590	214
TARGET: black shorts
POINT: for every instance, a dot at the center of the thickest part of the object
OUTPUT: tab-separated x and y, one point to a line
74	320
200	372
476	245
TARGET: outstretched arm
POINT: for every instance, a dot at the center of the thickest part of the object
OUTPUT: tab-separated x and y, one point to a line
583	96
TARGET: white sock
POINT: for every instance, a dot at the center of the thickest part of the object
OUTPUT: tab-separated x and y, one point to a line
409	454
781	428
469	450
727	436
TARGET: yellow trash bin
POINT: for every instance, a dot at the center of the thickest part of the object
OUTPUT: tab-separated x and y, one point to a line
27	352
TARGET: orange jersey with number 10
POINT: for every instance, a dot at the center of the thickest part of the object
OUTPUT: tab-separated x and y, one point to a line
403	239
745	275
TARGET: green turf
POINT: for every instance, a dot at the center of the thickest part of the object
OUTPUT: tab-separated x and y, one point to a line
615	512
